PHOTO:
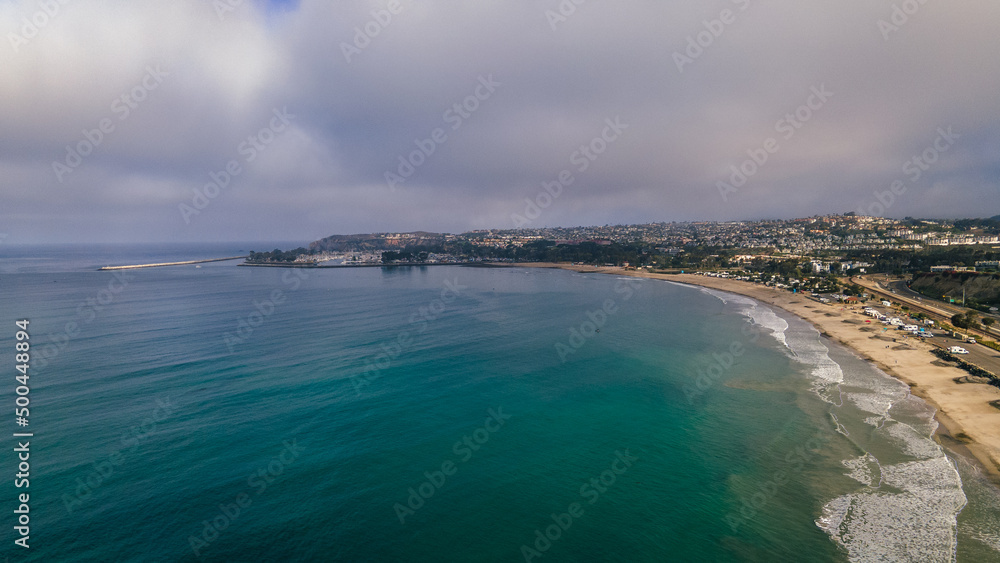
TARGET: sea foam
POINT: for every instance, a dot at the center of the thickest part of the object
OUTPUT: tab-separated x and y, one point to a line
917	524
906	511
758	313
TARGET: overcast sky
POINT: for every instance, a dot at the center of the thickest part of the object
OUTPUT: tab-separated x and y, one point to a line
314	104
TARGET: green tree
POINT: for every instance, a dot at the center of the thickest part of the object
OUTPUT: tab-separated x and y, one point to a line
959	320
971	320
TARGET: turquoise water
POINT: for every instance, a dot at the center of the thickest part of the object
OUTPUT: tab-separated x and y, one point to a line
459	414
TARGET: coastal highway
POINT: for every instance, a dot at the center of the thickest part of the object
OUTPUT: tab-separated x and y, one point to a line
901	287
934	309
986	358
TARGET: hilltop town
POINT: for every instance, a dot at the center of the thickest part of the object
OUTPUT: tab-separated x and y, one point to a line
834	243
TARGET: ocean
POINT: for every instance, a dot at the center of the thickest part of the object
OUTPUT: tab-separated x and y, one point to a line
450	413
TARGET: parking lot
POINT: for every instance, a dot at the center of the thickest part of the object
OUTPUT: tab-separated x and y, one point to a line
986	358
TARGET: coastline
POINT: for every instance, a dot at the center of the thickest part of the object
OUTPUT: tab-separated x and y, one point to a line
363	265
968	423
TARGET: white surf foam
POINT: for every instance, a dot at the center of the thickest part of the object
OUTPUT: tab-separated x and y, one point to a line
908	511
917	414
878	523
874	403
918	524
808	347
876	421
834	513
757	312
766	318
721	296
865	470
838	426
912	443
805	344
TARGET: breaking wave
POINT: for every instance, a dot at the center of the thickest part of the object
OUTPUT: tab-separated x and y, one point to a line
906	510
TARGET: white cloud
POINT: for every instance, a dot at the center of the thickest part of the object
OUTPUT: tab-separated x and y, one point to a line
353	120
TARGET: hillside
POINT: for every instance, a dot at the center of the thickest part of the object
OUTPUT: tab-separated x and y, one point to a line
376	241
984	288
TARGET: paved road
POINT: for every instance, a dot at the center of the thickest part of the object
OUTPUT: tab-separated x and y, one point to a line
980	355
986	358
935	309
901	287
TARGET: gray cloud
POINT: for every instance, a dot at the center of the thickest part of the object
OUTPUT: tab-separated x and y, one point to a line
325	173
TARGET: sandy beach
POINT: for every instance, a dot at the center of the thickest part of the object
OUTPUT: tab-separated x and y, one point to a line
968	421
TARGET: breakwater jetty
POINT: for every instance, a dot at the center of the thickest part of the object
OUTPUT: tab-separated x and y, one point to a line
160	265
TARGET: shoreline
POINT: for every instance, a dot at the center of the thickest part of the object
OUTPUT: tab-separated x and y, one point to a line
968	424
362	265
